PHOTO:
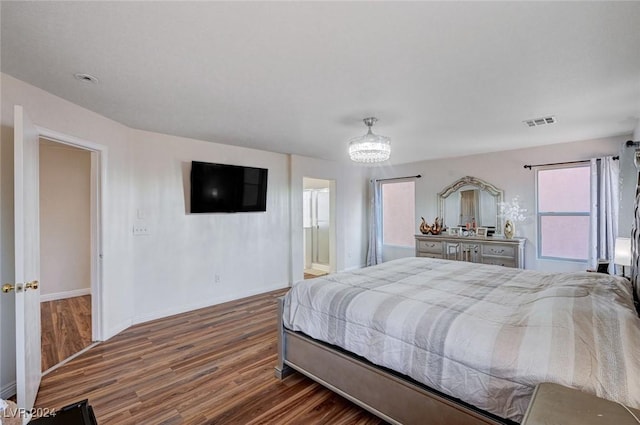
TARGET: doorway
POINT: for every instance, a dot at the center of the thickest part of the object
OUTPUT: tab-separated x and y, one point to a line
65	251
316	226
77	174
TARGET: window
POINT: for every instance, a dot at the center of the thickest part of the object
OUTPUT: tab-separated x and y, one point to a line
564	197
398	213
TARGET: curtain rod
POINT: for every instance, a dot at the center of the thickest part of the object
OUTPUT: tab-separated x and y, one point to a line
399	178
584	161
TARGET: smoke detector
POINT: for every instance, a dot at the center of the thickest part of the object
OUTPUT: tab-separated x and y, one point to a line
540	121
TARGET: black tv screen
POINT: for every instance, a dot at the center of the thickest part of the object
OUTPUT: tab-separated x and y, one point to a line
227	188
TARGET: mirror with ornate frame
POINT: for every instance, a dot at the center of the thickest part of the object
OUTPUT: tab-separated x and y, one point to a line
469	200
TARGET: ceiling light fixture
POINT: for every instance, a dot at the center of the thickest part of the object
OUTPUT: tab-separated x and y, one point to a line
87	78
371	147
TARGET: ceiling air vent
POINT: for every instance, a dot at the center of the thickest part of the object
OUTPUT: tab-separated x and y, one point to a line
540	121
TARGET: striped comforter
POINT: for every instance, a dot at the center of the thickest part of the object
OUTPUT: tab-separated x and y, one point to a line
484	334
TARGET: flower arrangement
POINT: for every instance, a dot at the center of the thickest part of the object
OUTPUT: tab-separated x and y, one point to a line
512	210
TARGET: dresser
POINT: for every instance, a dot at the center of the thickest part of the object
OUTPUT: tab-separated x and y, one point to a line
490	250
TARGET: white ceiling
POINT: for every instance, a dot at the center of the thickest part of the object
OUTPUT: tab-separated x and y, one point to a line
444	78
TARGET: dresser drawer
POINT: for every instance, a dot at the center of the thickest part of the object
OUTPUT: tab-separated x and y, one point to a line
429	255
497	261
499	250
488	250
430	247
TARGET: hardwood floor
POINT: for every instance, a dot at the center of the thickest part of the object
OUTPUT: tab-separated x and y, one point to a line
312	275
209	366
66	328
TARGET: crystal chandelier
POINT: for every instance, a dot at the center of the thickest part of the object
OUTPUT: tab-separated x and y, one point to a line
370	147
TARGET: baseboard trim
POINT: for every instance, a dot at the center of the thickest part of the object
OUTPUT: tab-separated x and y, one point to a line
322	267
66	294
207	303
8	390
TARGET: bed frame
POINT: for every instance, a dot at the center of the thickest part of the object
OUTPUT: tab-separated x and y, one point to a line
393	397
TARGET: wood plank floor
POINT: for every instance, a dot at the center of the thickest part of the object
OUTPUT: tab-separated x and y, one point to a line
209	366
313	275
66	328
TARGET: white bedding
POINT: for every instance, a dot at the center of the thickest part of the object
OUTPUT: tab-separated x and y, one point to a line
484	334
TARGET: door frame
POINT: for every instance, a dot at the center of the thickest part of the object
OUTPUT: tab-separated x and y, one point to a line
97	200
332	220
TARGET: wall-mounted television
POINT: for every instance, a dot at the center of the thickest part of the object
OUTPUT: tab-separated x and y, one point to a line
223	188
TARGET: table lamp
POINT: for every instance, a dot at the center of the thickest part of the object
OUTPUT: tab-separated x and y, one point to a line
622	253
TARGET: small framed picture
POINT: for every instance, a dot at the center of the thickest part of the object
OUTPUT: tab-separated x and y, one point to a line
454	231
482	232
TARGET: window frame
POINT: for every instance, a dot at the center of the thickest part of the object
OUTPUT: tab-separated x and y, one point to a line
540	214
395	181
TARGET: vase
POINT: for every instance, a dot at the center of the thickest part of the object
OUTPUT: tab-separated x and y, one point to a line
425	229
509	229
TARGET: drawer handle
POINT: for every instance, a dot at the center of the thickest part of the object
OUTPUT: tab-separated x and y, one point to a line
495	251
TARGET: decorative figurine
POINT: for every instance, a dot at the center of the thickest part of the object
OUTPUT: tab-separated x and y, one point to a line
425	229
434	229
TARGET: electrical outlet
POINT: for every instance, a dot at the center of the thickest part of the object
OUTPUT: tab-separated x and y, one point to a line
216	278
140	230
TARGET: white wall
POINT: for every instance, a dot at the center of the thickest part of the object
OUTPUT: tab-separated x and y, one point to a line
65	233
176	264
504	170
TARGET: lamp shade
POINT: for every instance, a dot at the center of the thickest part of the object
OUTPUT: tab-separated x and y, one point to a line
622	253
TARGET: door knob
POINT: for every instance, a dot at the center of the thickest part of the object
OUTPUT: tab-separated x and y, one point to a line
32	285
8	287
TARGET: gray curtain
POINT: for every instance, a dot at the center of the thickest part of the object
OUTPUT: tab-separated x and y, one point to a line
374	252
635	244
605	193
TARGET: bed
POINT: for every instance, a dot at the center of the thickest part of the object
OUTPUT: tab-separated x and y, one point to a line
455	342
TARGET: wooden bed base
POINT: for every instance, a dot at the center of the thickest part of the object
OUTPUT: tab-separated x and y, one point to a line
392	397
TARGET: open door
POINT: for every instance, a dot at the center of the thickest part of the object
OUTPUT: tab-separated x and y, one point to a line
27	259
